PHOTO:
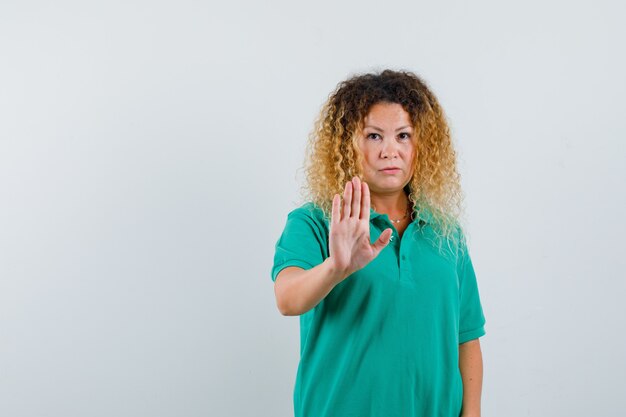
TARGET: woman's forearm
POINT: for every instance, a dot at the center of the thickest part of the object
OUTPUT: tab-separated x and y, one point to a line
298	290
471	367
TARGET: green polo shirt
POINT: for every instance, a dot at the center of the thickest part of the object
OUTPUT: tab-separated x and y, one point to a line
385	341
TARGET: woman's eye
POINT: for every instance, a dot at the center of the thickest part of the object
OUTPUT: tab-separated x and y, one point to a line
405	136
373	136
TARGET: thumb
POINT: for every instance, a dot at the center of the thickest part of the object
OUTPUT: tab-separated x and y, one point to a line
382	241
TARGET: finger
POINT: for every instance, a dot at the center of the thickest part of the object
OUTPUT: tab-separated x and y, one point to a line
335	214
382	241
347	199
365	202
356	199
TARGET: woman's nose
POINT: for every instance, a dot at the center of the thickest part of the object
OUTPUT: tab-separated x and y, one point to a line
388	150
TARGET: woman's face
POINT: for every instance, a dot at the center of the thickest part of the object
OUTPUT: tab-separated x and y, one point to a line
387	141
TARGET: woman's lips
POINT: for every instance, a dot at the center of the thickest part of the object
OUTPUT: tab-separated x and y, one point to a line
391	171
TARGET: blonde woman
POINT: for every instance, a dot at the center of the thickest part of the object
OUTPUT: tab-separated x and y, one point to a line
376	264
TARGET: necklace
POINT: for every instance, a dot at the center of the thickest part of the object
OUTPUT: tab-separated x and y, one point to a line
400	219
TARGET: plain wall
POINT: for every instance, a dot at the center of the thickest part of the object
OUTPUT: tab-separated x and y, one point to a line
150	152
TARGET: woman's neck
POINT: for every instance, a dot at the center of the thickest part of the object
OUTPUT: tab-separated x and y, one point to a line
394	206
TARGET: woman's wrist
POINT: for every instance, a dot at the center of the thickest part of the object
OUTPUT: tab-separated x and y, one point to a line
335	274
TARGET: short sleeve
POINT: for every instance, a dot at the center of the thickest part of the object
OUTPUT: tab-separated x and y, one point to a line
472	319
303	242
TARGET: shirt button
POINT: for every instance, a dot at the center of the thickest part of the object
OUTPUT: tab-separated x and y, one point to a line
403	258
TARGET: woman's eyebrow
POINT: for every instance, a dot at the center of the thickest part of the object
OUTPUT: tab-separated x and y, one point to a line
380	130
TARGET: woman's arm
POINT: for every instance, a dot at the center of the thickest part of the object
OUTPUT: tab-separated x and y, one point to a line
471	366
298	290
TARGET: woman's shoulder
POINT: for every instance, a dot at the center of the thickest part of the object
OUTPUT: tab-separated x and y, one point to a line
311	210
308	218
308	208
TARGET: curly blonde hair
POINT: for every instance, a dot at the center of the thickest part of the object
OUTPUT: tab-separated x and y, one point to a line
333	156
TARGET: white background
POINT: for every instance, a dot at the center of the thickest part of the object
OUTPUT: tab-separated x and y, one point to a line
150	152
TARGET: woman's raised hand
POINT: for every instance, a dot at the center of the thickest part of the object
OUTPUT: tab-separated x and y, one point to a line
349	240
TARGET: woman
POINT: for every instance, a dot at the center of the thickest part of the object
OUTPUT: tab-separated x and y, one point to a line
388	328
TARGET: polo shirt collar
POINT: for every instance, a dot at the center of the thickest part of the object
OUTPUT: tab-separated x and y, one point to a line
425	216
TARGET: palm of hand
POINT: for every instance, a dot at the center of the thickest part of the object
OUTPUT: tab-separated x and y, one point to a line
349	240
